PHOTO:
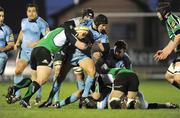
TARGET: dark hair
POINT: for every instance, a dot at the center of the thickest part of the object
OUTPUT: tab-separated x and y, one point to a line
100	19
1	9
88	12
120	44
163	8
32	5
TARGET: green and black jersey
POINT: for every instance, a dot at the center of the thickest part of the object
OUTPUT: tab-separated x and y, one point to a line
54	40
173	28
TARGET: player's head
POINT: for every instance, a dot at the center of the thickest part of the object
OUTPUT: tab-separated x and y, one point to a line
88	14
32	11
83	33
101	22
1	15
163	10
120	48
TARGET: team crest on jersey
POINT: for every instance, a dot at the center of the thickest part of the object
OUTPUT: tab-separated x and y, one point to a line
173	24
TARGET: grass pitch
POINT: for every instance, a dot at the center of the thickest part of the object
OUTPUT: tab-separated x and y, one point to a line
154	91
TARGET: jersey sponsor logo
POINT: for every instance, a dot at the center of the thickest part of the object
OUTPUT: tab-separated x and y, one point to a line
11	37
45	61
120	86
173	24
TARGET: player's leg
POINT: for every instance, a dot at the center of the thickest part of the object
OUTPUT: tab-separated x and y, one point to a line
21	63
56	96
176	81
133	87
79	75
59	59
78	71
43	73
3	60
71	99
62	75
167	105
89	67
114	101
39	92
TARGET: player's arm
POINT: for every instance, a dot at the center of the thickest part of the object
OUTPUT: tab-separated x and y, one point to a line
19	40
73	40
33	44
10	43
162	54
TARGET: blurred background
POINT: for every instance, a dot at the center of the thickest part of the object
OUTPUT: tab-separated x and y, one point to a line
134	21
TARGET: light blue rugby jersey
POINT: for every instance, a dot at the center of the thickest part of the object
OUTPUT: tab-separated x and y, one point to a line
32	31
98	36
6	35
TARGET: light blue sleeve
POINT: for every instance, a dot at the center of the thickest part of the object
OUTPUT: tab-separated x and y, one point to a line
43	26
9	35
104	38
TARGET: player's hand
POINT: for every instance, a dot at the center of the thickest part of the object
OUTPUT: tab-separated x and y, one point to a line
16	46
160	55
31	45
1	49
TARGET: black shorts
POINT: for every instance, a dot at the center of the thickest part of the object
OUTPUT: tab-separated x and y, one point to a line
41	56
103	88
126	82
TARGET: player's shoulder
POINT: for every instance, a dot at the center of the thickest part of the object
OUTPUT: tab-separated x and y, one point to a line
6	27
76	18
41	20
24	20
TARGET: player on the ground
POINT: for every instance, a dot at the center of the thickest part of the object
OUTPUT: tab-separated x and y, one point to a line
6	41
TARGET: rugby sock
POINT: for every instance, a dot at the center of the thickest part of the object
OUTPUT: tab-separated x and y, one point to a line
54	89
88	84
33	87
39	93
156	106
23	84
177	85
103	104
80	84
141	97
17	79
56	96
69	100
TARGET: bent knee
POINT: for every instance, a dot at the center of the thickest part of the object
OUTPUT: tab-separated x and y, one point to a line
91	72
18	71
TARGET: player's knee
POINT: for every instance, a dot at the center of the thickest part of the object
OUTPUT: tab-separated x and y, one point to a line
18	71
168	76
41	81
78	93
91	72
